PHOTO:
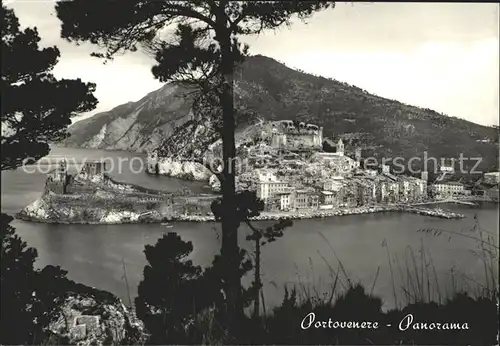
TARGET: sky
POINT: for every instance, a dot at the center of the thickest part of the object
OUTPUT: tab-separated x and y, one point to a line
443	56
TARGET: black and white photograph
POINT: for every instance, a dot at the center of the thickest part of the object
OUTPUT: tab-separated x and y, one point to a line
203	172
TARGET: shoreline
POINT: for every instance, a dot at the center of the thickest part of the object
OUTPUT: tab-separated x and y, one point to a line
267	216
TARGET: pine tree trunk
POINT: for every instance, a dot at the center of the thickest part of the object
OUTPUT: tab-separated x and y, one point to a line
230	249
256	308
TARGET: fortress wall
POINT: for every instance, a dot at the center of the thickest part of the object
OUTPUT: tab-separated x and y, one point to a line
136	203
298	131
80	195
54	186
292	135
138	188
301	139
192	205
289	126
65	198
79	188
192	208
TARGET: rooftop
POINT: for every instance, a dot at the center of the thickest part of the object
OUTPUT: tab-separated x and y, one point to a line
449	183
285	192
274	181
391	176
327	154
304	190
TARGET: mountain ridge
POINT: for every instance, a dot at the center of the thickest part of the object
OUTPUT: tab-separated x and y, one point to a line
270	90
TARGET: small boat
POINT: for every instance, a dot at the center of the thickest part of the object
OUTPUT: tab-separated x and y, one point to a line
166	224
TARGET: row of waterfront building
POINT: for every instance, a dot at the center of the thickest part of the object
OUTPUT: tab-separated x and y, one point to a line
362	187
298	174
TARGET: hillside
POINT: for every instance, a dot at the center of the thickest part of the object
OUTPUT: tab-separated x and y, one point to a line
134	126
271	91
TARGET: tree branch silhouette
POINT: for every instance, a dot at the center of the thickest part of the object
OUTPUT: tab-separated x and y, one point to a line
206	45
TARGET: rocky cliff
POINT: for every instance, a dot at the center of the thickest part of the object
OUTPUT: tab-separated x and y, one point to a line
52	209
268	90
88	316
134	126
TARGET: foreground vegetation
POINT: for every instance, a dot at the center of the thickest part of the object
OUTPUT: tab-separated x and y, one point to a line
181	303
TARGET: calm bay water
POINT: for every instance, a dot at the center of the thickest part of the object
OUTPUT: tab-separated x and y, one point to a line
94	254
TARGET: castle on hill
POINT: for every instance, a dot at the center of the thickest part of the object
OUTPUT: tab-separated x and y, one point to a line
299	136
296	136
59	181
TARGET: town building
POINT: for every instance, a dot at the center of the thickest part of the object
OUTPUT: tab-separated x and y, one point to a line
448	189
313	200
488	191
492	178
339	147
404	189
328	200
350	194
339	165
366	192
334	184
447	167
388	189
492	194
301	199
412	189
286	200
419	188
306	199
385	169
269	186
331	192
